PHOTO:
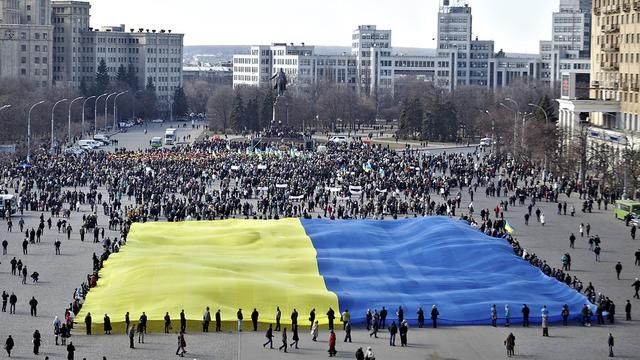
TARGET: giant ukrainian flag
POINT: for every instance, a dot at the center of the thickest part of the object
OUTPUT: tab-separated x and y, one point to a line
318	264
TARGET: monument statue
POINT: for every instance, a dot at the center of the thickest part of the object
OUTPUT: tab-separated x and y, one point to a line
281	82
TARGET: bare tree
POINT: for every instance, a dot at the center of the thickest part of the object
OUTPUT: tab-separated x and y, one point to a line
219	107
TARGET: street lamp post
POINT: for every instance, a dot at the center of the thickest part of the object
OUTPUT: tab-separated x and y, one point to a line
69	118
115	109
83	108
29	131
53	109
95	114
515	124
106	101
524	120
546	124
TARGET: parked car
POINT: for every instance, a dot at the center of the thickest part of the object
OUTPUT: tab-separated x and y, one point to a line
339	139
74	150
157	121
125	124
89	144
102	138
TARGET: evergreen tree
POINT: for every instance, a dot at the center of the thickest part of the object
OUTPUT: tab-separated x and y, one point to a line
180	107
121	76
266	112
132	78
84	89
149	100
237	113
252	116
102	78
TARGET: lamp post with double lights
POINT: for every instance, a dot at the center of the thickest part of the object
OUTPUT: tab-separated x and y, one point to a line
546	125
115	109
95	114
69	118
29	131
84	103
53	110
106	102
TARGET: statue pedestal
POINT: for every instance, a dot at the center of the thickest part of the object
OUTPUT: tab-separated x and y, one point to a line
280	112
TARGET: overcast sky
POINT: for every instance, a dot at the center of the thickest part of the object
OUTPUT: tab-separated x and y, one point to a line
515	25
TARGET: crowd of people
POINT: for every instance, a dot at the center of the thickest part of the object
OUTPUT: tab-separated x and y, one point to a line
219	179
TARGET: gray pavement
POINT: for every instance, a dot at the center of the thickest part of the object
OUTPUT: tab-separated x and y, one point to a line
61	274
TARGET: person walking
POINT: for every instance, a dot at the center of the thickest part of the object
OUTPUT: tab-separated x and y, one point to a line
70	351
332	344
610	342
596	251
635	285
510	344
314	331
8	345
572	240
269	336
627	310
182	345
13	299
618	269
295	337
284	341
5	298
331	315
33	306
132	335
347	332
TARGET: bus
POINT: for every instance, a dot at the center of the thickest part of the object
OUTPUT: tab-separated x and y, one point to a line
625	207
8	202
156	142
170	137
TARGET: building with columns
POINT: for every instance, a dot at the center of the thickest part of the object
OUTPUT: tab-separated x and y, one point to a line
609	111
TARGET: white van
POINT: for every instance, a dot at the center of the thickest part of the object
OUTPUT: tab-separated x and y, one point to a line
89	144
486	142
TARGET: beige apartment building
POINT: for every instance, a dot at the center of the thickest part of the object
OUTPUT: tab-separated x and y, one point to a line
609	113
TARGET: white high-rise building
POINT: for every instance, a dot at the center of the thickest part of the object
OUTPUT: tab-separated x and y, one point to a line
569	50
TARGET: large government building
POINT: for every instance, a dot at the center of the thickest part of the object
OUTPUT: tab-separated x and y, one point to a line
53	43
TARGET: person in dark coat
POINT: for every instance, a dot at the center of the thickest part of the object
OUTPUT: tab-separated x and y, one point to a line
331	315
132	335
269	336
167	323
37	340
107	325
295	337
434	316
284	340
525	315
8	345
70	351
218	321
404	329
183	322
359	354
312	318
254	319
87	323
420	318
